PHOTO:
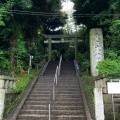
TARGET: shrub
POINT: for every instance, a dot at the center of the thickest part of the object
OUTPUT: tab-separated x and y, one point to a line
108	66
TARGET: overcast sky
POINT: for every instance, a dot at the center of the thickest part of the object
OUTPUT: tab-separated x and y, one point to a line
67	6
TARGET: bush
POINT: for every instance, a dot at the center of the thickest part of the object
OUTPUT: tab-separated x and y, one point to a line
4	62
84	61
55	55
108	66
69	54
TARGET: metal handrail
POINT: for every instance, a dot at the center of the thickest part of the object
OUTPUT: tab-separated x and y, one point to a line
52	94
44	68
76	67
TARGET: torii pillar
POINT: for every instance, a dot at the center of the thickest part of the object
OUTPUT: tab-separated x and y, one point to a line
96	49
76	49
49	49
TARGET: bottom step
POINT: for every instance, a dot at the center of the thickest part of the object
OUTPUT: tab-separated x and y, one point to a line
45	117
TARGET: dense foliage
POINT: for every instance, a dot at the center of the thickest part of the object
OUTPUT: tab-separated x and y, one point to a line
103	14
22	23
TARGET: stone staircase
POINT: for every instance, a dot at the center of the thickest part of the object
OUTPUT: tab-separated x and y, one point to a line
68	104
36	104
117	102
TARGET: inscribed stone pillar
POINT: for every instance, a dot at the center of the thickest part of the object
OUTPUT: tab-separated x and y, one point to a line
99	106
96	49
2	99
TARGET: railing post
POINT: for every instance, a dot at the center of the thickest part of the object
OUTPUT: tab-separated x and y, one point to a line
53	92
49	111
52	95
56	77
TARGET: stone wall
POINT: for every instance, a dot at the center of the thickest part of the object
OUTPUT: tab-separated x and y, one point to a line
10	98
6	86
101	82
89	82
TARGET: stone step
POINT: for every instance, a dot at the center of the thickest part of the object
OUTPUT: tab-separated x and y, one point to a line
40	92
45	77
79	103
68	96
68	89
28	102
68	77
32	111
32	117
117	100
68	85
69	117
43	83
42	88
38	99
39	95
116	95
45	117
57	107
67	82
56	112
65	91
67	72
68	100
68	103
67	107
35	107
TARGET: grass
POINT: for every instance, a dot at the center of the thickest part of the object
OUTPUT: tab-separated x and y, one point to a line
21	83
22	80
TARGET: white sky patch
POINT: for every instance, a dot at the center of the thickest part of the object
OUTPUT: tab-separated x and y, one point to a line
67	6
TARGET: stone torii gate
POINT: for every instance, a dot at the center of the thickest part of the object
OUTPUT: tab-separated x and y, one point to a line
96	46
62	39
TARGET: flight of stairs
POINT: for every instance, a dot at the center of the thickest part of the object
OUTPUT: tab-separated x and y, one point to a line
68	104
36	104
117	103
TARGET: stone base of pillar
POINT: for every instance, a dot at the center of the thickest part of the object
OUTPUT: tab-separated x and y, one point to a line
99	106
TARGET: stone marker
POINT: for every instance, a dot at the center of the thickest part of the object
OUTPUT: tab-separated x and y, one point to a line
96	49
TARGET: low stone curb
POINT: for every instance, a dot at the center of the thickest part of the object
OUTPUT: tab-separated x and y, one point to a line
16	109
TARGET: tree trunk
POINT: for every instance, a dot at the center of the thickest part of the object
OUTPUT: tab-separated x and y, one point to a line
12	54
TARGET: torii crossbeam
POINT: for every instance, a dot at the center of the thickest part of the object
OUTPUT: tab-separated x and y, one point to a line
62	39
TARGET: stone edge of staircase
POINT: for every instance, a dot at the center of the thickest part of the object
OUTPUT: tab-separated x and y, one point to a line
16	109
88	115
87	111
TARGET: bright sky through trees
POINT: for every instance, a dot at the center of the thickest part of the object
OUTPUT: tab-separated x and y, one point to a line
67	7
